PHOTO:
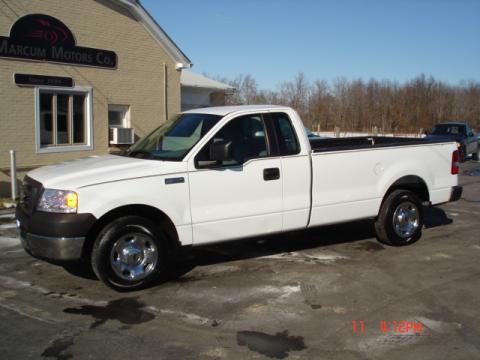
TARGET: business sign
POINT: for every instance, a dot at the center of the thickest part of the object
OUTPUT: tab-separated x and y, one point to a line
42	80
45	38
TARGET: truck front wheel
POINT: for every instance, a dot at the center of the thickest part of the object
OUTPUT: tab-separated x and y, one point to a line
129	253
400	219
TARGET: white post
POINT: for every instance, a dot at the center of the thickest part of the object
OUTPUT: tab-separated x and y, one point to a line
13	174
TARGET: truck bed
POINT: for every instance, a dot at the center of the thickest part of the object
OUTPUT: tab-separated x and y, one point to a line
365	142
349	181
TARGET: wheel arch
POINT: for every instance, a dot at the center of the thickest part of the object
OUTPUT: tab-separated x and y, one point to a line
413	183
147	211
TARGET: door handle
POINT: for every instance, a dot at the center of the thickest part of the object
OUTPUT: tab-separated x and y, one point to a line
271	174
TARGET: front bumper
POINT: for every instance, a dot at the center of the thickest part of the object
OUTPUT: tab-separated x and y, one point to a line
52	236
456	193
52	248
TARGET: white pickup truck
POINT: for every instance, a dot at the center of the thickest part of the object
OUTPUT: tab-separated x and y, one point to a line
225	173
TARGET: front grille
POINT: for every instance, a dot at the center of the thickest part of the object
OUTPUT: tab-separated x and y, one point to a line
29	193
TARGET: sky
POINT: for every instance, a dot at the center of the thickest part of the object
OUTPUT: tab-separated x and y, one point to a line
273	40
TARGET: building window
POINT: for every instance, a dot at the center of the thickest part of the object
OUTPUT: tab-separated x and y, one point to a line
118	117
63	119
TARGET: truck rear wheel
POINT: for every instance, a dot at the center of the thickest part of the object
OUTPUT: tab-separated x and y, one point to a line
463	154
129	253
400	219
476	154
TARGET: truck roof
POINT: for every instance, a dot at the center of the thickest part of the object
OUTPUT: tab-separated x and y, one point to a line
224	110
452	123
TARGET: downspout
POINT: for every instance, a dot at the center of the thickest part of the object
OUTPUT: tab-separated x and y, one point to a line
165	91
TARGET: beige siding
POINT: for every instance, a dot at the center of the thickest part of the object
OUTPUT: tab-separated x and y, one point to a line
138	80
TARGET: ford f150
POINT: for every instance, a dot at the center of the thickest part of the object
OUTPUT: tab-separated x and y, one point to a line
226	173
460	132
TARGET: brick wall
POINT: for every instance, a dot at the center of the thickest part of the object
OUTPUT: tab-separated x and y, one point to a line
137	81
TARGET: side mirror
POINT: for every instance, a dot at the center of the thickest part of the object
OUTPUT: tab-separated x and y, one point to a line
221	151
218	151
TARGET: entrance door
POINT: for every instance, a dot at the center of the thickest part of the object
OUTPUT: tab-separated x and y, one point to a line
240	197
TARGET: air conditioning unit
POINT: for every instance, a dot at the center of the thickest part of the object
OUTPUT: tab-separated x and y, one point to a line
121	136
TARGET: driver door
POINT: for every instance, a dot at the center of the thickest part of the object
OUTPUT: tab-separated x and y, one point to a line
239	197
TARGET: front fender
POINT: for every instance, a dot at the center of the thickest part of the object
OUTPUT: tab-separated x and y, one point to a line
172	199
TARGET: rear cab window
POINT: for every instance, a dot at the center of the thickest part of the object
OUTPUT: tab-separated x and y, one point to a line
287	140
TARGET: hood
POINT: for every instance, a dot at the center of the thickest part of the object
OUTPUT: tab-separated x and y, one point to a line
73	174
457	138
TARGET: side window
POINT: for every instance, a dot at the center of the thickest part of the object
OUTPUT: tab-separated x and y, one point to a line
469	130
247	134
287	139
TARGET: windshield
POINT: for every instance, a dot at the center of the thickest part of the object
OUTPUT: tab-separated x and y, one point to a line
448	129
174	139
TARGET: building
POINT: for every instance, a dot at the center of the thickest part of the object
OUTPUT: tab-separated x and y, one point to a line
74	74
200	91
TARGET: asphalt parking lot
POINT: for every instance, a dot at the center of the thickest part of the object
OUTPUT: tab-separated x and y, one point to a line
328	293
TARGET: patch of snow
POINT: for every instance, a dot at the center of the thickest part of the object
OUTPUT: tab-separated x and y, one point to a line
13	283
16	309
188	317
19	284
325	258
6	242
442	327
284	291
387	341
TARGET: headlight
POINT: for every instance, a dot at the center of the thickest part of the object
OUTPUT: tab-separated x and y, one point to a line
58	201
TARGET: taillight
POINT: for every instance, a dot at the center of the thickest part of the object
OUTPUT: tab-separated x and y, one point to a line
455	162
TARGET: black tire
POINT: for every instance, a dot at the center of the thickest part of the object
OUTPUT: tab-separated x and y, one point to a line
463	154
126	230
384	224
476	154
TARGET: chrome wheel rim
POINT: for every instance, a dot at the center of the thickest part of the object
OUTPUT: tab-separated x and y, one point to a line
134	256
406	219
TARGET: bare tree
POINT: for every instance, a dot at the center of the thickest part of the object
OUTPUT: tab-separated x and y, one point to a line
358	105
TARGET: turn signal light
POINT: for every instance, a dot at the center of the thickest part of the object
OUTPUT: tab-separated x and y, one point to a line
455	162
71	200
